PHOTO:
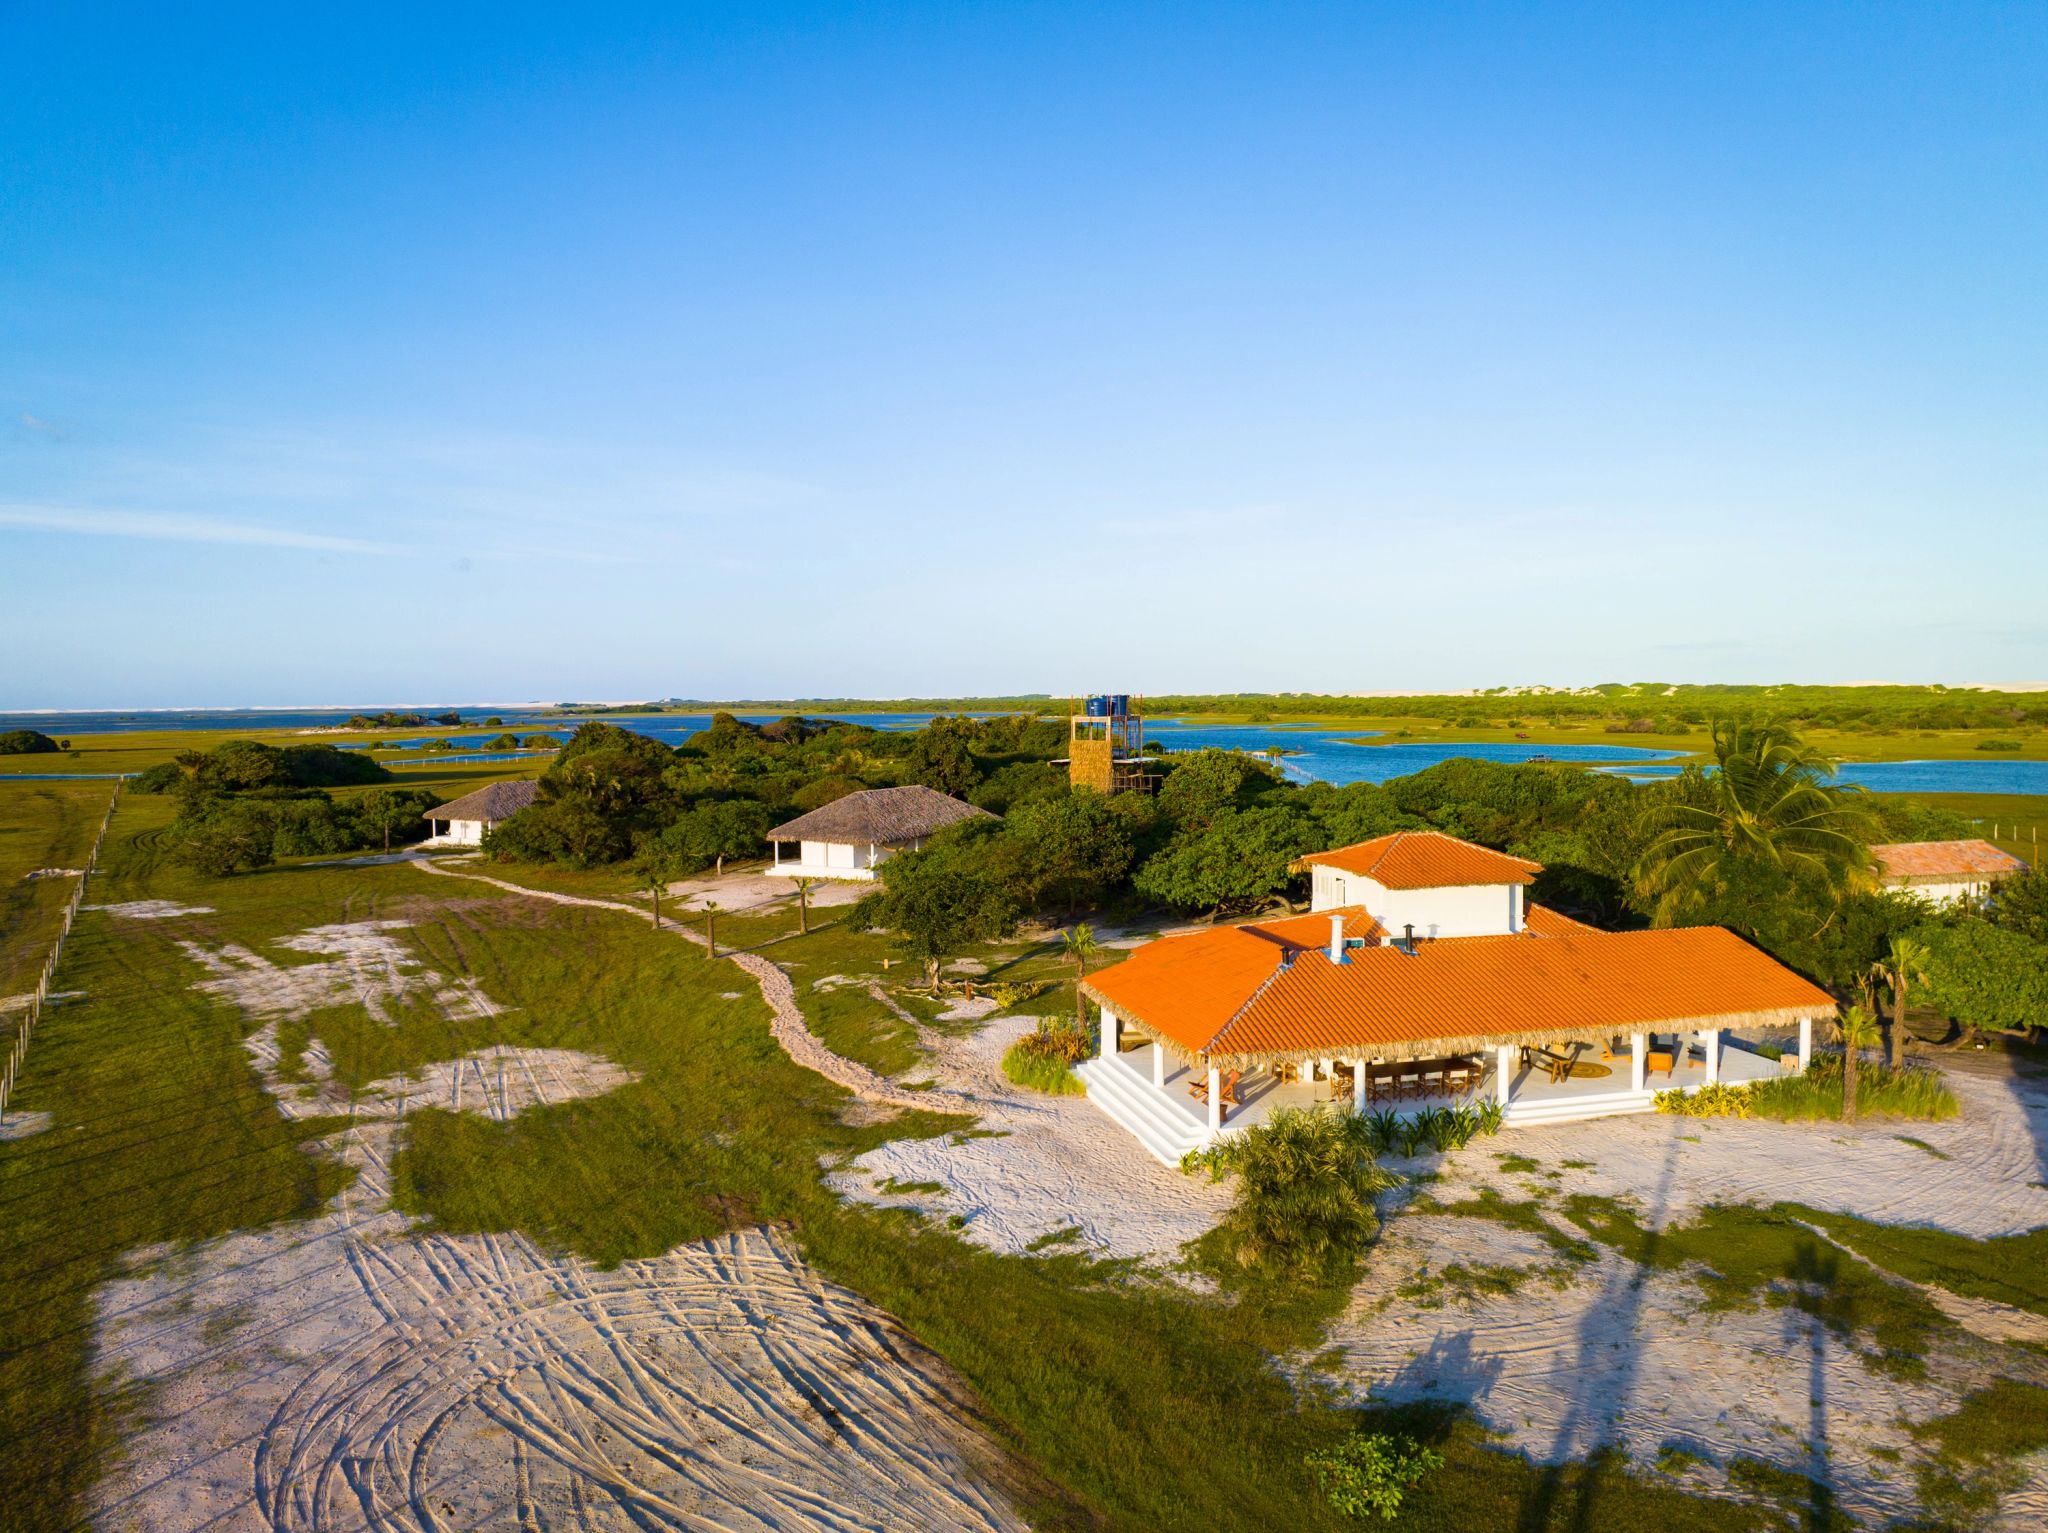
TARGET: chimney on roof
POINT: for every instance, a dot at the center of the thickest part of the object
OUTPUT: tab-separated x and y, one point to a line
1407	942
1336	936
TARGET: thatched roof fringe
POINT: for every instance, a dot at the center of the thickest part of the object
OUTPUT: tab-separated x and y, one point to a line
1462	1043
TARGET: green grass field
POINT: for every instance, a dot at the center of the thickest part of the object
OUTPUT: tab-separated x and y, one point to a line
42	825
1134	1404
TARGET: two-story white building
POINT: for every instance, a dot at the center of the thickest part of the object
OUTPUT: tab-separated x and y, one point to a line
1436	884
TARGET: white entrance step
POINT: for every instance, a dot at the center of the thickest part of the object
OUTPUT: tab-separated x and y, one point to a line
1571	1109
1155	1121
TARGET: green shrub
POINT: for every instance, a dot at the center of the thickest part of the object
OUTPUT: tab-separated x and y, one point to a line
164	777
1015	992
1366	1475
27	742
1999	745
1044	1058
1880	1091
1716	1101
1306	1180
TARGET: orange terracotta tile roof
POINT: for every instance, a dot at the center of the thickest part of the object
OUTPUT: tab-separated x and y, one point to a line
1425	859
1234	992
1929	862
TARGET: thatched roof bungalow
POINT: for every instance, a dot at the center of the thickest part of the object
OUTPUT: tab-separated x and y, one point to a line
467	818
852	836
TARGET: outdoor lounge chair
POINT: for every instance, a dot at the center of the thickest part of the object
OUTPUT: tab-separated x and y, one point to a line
1198	1088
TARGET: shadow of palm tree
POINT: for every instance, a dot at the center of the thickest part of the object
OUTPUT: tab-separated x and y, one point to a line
1604	1381
1449	1373
1815	1266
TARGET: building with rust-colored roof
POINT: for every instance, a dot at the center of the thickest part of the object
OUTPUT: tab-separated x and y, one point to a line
1423	973
1943	872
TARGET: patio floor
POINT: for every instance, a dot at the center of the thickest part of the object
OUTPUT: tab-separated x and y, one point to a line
1260	1094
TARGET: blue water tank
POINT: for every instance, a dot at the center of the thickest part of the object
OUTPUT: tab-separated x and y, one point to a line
1120	705
1098	708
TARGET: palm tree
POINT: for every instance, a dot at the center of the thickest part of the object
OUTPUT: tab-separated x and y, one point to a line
711	927
1080	945
1767	802
655	873
1903	966
803	904
1856	1030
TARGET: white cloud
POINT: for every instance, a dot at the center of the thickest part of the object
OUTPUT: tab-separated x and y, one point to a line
178	527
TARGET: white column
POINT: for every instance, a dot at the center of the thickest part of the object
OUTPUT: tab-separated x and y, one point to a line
1638	1065
1710	1041
1805	1043
1109	1030
1215	1100
1503	1071
1158	1063
1358	1085
777	851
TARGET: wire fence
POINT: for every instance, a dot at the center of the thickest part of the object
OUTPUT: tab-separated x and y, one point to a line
38	998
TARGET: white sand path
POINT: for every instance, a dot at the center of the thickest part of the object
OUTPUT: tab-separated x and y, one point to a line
786	1023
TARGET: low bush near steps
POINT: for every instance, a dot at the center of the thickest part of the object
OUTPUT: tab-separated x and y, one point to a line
1044	1059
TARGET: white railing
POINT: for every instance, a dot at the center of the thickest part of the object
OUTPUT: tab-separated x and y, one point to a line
18	1050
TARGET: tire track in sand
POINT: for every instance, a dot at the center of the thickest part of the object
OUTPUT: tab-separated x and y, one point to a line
358	1373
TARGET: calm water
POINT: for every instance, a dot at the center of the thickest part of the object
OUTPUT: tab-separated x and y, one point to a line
1323	755
1917	776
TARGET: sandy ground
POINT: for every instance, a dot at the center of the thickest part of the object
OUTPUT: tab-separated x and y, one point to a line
1581	1356
353	1372
152	910
749	890
1035	1166
366	964
20	1125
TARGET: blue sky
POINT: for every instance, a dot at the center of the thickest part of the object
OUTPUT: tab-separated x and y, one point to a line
906	350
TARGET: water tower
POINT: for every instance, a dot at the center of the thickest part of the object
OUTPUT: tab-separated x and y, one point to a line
1106	746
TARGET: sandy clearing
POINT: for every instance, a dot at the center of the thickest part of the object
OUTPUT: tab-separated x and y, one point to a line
1623	1355
1989	1184
53	873
352	1372
152	910
20	1125
369	967
742	891
1038	1164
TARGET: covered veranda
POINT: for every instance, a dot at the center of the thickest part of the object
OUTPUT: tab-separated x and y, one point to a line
1183	1101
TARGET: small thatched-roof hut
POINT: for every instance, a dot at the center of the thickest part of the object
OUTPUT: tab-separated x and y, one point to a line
850	836
467	818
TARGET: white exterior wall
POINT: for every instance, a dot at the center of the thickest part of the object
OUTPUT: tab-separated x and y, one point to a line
461	832
1948	894
1465	910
